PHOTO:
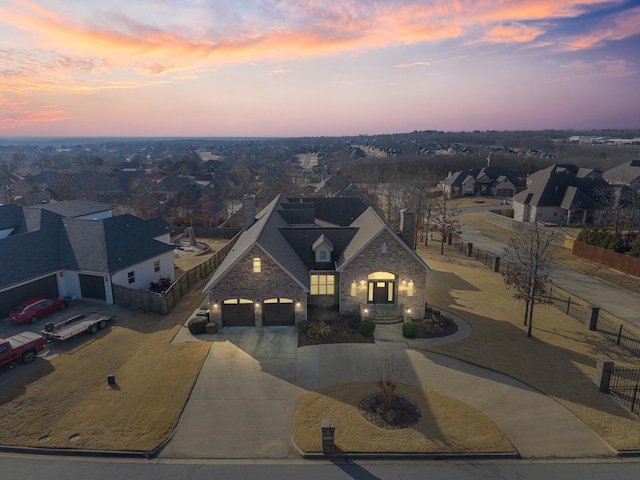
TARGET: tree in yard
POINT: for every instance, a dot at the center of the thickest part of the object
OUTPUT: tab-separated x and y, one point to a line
445	220
529	257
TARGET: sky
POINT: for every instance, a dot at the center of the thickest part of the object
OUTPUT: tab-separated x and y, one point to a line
220	68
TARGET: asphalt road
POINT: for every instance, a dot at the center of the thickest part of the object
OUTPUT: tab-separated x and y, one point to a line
615	300
56	468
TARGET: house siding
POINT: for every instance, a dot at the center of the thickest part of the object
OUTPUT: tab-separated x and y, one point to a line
271	282
397	260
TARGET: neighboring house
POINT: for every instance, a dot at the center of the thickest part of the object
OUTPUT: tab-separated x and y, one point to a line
490	181
627	174
562	193
77	249
317	251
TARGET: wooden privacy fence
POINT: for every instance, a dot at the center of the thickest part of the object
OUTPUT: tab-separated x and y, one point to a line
163	303
617	261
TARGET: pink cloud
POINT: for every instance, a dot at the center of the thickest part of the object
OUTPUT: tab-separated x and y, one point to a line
622	25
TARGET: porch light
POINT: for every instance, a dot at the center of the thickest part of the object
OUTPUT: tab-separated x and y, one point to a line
366	311
298	304
362	282
257	304
408	310
215	305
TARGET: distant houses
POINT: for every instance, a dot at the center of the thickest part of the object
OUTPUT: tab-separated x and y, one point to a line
489	181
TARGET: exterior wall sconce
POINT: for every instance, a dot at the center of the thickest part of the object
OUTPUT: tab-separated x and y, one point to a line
408	310
366	311
257	304
363	283
298	304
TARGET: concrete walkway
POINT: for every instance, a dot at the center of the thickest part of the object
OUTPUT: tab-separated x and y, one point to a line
243	401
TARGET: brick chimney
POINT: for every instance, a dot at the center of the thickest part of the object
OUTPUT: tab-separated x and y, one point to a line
408	227
249	210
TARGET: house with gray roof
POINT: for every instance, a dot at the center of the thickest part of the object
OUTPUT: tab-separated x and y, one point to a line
489	181
331	252
562	193
77	249
627	174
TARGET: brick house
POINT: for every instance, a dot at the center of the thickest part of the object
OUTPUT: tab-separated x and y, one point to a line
322	251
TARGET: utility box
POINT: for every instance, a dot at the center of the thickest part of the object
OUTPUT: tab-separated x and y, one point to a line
328	436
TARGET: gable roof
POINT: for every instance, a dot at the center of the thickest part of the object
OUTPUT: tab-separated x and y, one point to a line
288	229
561	186
46	242
153	227
628	173
484	175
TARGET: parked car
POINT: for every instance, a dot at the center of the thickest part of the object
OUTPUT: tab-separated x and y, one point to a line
24	346
37	308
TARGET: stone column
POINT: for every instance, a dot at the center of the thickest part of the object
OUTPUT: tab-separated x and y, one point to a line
469	249
604	367
592	317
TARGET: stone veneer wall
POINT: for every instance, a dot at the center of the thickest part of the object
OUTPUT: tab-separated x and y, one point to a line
397	260
271	282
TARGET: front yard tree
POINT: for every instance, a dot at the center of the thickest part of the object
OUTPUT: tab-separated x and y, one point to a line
445	220
529	256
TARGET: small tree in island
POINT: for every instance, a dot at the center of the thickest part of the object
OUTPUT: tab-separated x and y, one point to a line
529	257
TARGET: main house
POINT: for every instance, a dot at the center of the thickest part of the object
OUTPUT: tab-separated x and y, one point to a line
78	249
317	251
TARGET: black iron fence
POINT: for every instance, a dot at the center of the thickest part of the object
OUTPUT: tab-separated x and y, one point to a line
624	385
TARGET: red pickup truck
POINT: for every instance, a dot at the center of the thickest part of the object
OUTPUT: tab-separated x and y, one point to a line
24	347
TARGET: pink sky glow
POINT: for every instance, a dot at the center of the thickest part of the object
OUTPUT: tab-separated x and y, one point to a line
292	68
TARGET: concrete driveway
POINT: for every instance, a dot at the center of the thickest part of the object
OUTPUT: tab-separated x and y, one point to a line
243	401
242	404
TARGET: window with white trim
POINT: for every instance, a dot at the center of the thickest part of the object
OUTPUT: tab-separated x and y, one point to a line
257	265
156	266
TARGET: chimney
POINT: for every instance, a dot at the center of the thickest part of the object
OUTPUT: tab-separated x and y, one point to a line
249	210
407	227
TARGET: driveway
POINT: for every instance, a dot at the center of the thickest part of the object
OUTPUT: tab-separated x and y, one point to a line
243	401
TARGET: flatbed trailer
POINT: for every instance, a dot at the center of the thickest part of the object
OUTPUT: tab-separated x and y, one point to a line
89	322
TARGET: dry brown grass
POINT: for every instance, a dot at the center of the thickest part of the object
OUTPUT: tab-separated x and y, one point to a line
447	425
65	403
559	360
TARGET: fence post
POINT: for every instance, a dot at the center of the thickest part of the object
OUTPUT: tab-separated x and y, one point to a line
592	317
619	333
633	402
496	264
449	239
469	249
568	304
604	367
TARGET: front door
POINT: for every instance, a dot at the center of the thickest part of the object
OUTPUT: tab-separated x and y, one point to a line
381	292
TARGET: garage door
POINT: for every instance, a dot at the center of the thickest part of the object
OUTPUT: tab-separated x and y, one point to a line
92	286
238	312
45	287
278	311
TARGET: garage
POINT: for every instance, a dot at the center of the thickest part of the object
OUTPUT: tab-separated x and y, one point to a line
44	287
238	312
278	312
92	286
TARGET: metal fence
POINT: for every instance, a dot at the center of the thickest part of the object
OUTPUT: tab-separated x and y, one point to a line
569	305
619	333
624	386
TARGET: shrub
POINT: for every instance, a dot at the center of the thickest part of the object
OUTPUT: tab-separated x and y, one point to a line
196	325
436	314
635	251
210	328
410	330
367	327
428	308
319	330
301	326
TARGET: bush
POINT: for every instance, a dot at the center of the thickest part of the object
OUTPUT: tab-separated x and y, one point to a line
319	330
210	328
436	314
367	327
410	330
197	325
428	308
301	326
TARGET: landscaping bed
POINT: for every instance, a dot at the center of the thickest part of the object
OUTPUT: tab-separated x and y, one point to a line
326	325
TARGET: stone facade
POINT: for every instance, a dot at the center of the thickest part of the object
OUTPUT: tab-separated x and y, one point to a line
271	282
385	254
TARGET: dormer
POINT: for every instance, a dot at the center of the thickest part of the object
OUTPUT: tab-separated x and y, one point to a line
322	248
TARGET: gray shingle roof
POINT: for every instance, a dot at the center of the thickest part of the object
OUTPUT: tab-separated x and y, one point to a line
284	231
75	208
628	173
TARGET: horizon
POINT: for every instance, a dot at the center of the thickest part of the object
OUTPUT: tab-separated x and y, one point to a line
214	69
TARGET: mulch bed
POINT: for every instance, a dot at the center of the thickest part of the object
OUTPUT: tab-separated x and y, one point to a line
335	328
432	328
403	412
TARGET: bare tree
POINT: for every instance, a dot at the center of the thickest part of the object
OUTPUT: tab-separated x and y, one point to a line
529	255
445	220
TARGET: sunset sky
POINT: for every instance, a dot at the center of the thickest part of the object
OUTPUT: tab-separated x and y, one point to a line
319	67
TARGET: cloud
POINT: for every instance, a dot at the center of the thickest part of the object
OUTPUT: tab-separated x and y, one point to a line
428	64
278	71
514	33
17	113
617	27
608	67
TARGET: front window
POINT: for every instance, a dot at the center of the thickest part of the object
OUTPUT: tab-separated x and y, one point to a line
322	285
257	265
